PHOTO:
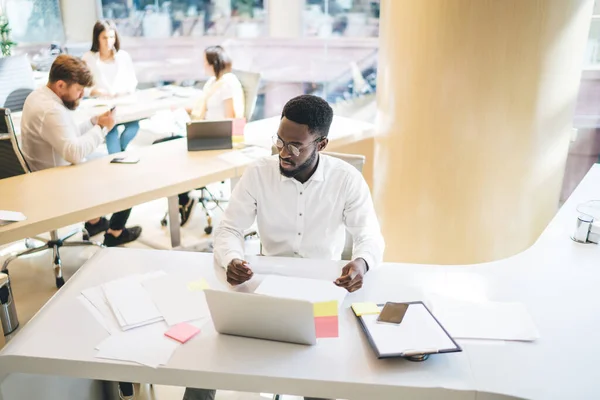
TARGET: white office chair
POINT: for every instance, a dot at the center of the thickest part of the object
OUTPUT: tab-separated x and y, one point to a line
12	163
250	82
16	81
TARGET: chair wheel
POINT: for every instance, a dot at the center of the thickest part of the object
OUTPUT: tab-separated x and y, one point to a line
208	230
163	222
60	282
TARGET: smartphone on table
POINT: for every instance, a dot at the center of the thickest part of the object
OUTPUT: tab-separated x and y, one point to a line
392	313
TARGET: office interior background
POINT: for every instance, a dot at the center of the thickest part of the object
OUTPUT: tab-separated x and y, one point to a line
323	47
343	51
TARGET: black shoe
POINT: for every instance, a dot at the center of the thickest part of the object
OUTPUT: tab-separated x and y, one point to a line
126	391
186	211
126	236
98	227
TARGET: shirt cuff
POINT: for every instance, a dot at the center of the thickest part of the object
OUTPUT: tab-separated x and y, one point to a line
368	259
230	255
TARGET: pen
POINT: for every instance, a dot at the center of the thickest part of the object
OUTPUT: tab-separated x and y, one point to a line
414	352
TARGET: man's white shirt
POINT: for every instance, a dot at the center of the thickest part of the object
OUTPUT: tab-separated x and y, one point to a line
50	136
301	219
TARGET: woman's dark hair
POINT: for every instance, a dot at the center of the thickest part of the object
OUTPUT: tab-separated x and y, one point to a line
99	27
218	59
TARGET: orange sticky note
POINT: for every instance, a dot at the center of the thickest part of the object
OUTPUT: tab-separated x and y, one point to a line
326	308
326	327
182	332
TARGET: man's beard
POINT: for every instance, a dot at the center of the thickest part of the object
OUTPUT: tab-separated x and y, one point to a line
71	104
301	168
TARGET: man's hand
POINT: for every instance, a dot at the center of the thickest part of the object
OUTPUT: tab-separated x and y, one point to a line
238	272
106	120
352	275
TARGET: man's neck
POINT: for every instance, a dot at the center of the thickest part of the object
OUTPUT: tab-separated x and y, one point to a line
51	87
304	176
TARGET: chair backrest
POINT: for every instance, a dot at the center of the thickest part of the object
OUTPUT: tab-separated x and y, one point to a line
15	76
250	83
16	99
12	162
358	162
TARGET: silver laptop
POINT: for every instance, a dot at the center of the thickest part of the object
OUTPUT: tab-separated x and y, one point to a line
209	135
262	317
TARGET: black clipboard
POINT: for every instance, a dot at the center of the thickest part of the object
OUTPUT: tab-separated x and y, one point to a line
420	356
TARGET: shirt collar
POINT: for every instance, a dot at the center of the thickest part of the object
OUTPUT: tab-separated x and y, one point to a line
317	176
52	95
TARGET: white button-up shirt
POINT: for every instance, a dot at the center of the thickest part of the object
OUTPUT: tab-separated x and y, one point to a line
115	76
301	219
50	136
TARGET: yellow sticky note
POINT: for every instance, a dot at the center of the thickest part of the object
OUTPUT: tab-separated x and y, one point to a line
198	285
365	309
326	309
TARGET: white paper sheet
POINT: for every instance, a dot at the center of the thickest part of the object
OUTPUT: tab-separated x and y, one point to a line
313	290
130	303
418	333
95	297
244	156
11	216
175	301
146	345
485	320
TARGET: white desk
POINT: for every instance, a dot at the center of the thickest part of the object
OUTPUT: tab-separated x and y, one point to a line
115	187
556	279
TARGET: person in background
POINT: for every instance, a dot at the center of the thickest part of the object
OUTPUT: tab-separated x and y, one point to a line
222	98
303	202
51	138
114	76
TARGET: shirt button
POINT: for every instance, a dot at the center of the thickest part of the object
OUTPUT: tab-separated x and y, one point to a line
299	234
296	253
300	193
300	214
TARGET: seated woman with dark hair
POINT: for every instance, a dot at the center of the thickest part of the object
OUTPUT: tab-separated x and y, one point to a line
222	98
114	76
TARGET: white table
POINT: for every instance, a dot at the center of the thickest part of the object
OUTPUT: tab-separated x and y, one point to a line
556	279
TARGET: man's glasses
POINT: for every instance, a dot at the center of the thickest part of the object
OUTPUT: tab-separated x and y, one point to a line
292	148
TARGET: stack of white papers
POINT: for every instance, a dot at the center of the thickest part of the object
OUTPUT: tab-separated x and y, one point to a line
485	320
313	290
174	299
130	303
137	311
7	217
147	345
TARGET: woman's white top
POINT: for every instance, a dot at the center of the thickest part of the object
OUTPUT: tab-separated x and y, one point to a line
114	76
217	91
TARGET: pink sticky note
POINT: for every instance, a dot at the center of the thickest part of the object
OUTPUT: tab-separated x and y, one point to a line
182	332
326	327
238	125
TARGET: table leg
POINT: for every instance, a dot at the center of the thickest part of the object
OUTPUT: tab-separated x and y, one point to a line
174	221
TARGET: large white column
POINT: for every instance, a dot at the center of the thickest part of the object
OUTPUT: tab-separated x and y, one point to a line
285	18
475	105
79	17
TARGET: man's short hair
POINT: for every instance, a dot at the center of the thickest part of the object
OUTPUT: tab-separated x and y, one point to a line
310	110
70	70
